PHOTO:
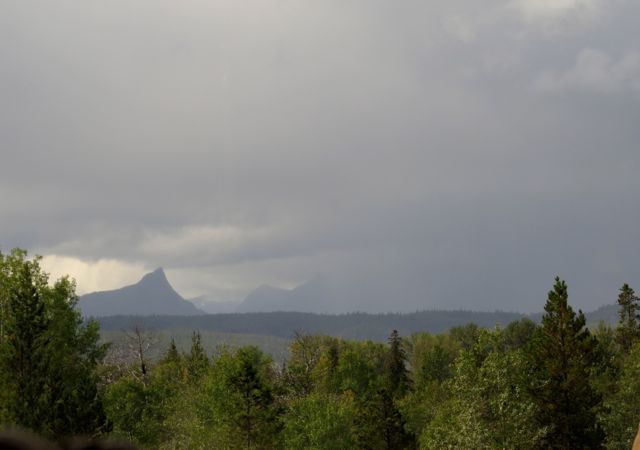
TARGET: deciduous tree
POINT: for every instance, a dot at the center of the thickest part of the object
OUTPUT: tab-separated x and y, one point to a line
48	355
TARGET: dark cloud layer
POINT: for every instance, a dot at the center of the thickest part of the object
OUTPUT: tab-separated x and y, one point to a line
423	154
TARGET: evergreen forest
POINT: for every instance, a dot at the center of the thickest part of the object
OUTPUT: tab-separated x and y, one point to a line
528	385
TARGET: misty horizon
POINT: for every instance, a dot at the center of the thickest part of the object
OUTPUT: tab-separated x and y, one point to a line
154	295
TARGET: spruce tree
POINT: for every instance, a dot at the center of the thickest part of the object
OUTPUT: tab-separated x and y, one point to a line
171	355
197	360
381	409
255	414
561	354
628	331
395	369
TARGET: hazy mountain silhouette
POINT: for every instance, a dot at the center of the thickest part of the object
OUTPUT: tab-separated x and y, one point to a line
607	314
152	295
320	297
265	299
313	296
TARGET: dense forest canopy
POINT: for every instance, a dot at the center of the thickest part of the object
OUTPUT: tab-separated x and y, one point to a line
554	384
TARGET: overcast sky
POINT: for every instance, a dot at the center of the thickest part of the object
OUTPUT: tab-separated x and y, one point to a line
425	154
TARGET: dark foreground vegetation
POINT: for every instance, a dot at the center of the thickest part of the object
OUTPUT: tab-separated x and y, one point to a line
523	386
16	439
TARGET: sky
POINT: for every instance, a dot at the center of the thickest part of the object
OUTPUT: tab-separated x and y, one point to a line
439	154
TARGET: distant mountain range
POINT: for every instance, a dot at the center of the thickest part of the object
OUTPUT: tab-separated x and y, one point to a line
152	295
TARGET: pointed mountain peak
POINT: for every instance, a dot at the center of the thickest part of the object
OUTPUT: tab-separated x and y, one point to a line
158	272
152	295
156	277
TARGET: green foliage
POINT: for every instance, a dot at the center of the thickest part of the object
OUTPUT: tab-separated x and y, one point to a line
465	335
436	365
360	367
395	367
23	356
302	373
621	420
521	387
519	333
562	357
628	331
234	406
380	424
324	373
488	406
172	355
197	360
321	421
48	356
608	364
210	340
431	357
366	371
135	410
138	407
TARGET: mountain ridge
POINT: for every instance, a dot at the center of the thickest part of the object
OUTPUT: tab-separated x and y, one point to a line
152	295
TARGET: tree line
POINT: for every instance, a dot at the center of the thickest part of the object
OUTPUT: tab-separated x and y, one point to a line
554	384
352	326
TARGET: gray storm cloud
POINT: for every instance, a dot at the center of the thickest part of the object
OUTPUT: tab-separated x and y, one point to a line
418	154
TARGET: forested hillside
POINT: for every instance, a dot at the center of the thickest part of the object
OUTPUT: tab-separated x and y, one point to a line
285	324
524	385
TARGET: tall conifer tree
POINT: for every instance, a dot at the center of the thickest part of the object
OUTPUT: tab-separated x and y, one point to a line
628	331
381	409
395	369
197	360
172	355
561	353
